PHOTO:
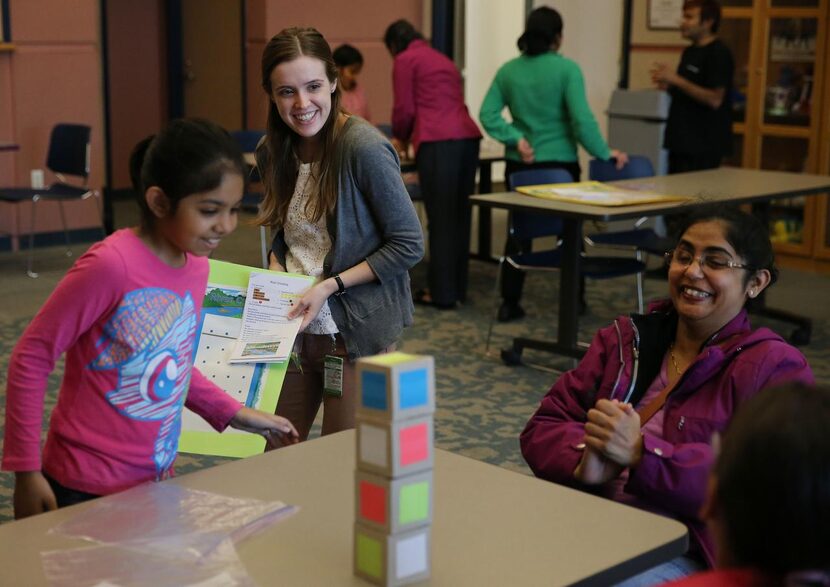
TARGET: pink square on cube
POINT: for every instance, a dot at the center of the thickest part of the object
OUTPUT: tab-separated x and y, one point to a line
413	442
373	502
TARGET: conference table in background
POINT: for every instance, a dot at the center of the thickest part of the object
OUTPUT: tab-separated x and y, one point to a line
490	526
727	185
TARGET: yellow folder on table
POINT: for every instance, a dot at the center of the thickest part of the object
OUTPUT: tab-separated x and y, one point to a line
595	193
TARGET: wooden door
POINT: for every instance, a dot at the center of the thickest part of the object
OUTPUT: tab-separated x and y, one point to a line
212	60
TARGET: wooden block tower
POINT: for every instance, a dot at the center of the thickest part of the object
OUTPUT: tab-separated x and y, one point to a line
393	480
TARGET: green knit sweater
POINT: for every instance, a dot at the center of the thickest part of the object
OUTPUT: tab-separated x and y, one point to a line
545	95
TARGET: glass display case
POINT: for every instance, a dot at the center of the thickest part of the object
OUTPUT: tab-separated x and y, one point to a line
780	113
796	3
786	217
791	59
734	32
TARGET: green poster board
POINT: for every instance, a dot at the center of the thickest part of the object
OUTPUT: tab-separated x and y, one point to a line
254	385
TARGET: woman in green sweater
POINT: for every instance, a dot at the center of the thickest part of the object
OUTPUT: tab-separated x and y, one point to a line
545	94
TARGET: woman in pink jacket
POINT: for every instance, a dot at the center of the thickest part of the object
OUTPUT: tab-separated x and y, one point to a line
634	421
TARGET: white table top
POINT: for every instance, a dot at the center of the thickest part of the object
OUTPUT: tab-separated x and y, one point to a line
491	526
724	184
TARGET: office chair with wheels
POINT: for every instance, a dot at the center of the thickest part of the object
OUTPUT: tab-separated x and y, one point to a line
69	150
526	226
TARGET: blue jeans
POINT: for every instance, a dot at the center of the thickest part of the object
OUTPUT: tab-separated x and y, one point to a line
677	568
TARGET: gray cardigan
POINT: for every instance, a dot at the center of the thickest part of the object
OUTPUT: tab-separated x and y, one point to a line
374	220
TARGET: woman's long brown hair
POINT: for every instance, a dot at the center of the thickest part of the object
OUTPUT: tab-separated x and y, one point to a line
280	177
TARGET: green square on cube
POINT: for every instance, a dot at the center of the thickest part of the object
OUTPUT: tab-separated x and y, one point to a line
369	555
414	503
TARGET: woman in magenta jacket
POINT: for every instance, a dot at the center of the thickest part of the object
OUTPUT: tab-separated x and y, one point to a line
690	362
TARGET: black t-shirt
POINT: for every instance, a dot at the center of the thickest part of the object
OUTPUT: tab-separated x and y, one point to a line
693	127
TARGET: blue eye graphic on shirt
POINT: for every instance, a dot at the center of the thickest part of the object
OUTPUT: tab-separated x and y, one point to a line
158	381
149	340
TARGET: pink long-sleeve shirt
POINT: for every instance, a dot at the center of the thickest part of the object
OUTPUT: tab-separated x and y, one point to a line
429	98
127	322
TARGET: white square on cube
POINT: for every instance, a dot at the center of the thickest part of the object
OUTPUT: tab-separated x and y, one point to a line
411	556
373	443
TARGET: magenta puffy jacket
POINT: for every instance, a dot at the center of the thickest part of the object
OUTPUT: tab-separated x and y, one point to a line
621	363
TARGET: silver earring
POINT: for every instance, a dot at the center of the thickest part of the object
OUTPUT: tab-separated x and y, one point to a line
752	293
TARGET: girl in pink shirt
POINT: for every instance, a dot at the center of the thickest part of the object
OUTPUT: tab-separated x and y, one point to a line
126	316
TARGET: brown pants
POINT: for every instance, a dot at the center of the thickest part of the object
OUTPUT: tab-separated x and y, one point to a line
302	391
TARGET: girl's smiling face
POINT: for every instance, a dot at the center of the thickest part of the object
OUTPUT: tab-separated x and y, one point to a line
200	221
302	93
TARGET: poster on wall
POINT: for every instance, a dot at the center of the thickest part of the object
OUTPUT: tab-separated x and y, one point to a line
664	14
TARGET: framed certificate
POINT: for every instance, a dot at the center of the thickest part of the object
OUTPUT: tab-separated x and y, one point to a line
664	14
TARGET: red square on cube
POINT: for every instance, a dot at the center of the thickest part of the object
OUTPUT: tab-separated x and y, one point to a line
413	444
373	502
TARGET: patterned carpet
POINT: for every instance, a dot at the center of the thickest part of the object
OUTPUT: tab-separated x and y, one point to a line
482	405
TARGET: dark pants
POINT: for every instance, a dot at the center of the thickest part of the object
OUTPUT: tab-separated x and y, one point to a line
65	496
447	176
683	162
512	279
302	390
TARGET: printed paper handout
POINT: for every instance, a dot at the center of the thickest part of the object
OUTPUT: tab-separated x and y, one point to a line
595	193
267	335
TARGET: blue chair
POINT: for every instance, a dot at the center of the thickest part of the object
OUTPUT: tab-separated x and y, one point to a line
248	141
69	148
637	239
526	226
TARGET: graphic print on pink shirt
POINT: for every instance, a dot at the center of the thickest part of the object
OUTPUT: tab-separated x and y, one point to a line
149	340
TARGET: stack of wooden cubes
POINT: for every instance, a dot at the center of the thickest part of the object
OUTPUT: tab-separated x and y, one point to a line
393	480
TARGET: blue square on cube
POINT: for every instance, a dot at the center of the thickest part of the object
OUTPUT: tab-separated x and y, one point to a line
373	387
413	389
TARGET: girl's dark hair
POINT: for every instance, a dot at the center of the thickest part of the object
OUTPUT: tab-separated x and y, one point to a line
773	481
544	26
346	55
399	35
189	156
281	176
745	232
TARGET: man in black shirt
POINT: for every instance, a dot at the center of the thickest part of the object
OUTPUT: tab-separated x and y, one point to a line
699	128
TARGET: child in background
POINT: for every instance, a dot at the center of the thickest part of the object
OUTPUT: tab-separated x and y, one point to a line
768	503
349	62
126	315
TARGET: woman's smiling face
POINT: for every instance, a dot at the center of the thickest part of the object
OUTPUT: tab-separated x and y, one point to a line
302	93
706	298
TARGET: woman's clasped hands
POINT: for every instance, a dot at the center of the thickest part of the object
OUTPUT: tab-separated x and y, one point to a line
613	441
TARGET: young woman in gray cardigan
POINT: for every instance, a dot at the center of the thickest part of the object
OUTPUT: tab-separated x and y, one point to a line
340	212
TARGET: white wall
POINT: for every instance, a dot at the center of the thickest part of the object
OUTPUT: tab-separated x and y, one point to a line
592	36
491	29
